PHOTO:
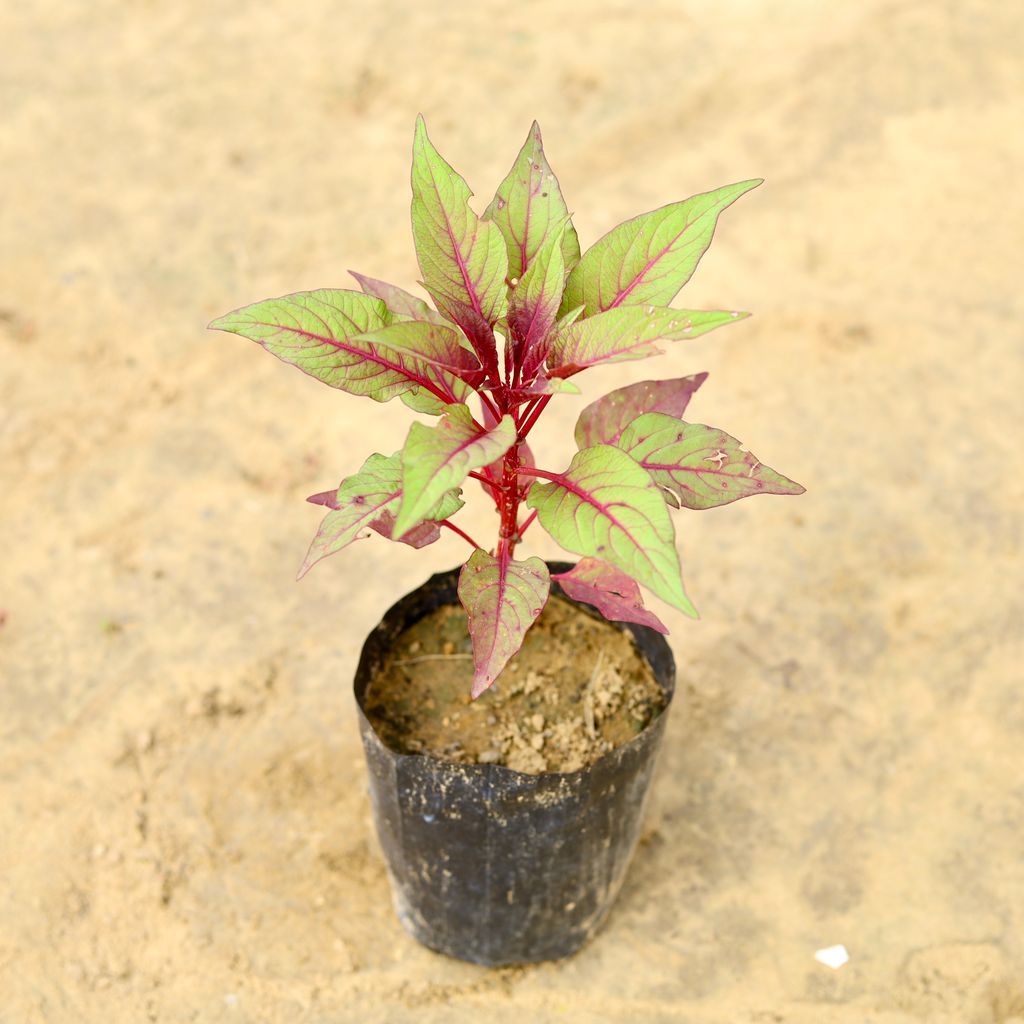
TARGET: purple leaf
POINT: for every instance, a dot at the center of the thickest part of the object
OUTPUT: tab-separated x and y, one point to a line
398	300
614	594
603	421
502	598
533	305
702	466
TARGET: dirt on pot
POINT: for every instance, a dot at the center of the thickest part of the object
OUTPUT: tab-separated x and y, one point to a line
577	689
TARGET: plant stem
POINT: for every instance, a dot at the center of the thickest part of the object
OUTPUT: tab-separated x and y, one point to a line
465	536
489	405
526	522
545	473
532	415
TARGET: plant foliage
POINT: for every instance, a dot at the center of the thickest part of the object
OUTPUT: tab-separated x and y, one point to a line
517	312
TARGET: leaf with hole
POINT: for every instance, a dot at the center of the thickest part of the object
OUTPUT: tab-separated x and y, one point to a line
702	466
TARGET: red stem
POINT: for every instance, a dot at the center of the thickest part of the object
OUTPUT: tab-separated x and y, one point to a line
489	405
526	522
545	473
533	415
465	536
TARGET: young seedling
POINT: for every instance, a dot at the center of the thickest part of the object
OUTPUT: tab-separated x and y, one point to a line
516	273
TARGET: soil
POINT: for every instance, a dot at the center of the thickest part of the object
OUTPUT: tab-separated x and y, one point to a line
577	689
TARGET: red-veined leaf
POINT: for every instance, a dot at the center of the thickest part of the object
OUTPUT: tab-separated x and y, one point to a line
614	594
702	466
317	332
603	421
502	599
607	506
436	459
649	258
627	332
463	259
528	207
368	500
398	300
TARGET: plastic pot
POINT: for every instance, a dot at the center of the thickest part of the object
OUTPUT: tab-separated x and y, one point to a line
489	864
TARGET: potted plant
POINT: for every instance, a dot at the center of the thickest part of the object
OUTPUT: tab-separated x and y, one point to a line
508	813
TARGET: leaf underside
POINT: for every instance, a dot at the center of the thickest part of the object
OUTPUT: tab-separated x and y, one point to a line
703	467
603	421
368	500
611	591
403	304
502	599
607	506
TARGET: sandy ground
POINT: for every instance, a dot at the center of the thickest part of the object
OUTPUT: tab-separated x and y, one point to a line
184	830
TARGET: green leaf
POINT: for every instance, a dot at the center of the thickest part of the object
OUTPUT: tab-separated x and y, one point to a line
649	258
603	421
436	459
403	304
368	500
528	207
533	304
462	258
435	345
502	598
702	466
607	506
627	332
319	331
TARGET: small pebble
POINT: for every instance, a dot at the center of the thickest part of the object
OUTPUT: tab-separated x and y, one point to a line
414	646
537	740
489	757
538	722
492	720
448	647
144	741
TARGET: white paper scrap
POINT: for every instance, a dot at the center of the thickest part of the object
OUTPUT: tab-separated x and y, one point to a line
832	956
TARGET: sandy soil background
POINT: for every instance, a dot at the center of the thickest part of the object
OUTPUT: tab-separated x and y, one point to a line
184	830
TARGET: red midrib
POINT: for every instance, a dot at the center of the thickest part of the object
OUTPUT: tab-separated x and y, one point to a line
372	356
